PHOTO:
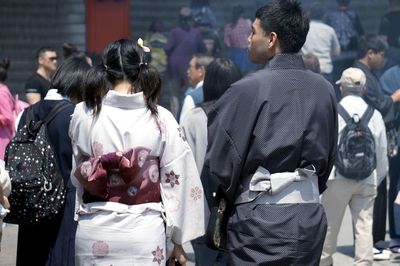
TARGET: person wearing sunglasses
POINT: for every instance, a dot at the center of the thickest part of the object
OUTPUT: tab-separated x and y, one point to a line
38	83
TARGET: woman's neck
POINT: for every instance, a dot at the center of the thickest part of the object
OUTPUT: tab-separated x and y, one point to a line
124	87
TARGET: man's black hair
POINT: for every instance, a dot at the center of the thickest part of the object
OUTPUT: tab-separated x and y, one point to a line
372	42
42	50
288	21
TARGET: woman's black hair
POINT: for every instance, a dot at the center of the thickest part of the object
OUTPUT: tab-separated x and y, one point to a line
69	49
122	60
220	74
4	65
69	76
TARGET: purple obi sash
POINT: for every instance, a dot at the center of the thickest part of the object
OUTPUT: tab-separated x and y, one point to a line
131	177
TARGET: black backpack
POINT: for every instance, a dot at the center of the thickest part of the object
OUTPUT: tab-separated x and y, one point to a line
38	189
355	156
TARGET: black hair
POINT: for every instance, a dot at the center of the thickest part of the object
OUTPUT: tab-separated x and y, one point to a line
43	50
288	21
237	12
69	76
4	65
220	74
316	11
122	60
69	49
373	42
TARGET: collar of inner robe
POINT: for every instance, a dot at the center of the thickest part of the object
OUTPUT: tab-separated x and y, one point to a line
127	101
286	61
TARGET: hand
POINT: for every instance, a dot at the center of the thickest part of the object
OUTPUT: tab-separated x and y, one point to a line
396	96
178	254
5	202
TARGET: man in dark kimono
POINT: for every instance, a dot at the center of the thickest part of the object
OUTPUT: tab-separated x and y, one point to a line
280	119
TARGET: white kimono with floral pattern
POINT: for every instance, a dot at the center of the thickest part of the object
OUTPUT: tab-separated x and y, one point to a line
112	233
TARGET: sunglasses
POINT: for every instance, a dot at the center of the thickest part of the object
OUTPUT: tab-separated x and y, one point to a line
54	58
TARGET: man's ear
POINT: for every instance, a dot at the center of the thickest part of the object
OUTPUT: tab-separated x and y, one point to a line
203	71
272	40
40	60
370	53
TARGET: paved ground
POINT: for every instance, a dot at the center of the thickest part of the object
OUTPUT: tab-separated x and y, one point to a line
342	258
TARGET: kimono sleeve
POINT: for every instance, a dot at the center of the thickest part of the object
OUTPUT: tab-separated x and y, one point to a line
181	189
230	126
79	128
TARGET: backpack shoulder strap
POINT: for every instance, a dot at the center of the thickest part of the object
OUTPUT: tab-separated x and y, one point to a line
55	110
343	113
367	115
30	115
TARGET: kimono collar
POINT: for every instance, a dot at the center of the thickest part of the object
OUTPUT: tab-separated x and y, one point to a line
286	61
128	101
53	94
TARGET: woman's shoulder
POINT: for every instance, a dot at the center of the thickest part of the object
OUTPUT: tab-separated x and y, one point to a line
82	111
81	116
165	114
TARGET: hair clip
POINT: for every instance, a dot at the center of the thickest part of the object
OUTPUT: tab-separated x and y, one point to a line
145	48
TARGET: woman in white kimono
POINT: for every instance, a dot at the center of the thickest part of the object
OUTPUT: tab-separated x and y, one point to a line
137	183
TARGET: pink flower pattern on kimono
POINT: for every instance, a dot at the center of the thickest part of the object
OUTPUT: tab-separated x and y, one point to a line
158	255
86	169
196	193
100	249
172	178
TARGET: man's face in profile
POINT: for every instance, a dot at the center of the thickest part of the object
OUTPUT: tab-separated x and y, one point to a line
48	60
258	44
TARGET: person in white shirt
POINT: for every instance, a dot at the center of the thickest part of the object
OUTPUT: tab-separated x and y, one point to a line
359	195
321	41
196	73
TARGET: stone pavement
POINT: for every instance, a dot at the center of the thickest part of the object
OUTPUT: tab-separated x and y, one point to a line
342	258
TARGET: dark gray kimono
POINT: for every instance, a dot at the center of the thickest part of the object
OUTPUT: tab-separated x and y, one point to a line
282	117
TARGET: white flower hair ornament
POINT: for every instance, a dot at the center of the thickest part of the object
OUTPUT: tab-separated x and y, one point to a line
145	48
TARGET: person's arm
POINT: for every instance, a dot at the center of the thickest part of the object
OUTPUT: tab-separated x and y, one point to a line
380	148
171	43
375	97
6	110
188	104
396	96
33	97
227	36
230	128
335	45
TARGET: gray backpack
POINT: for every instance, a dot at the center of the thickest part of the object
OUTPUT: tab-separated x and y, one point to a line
355	156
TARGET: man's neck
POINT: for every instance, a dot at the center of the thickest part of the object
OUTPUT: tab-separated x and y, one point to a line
42	72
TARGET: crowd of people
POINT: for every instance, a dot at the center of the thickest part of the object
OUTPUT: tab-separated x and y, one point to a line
297	120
